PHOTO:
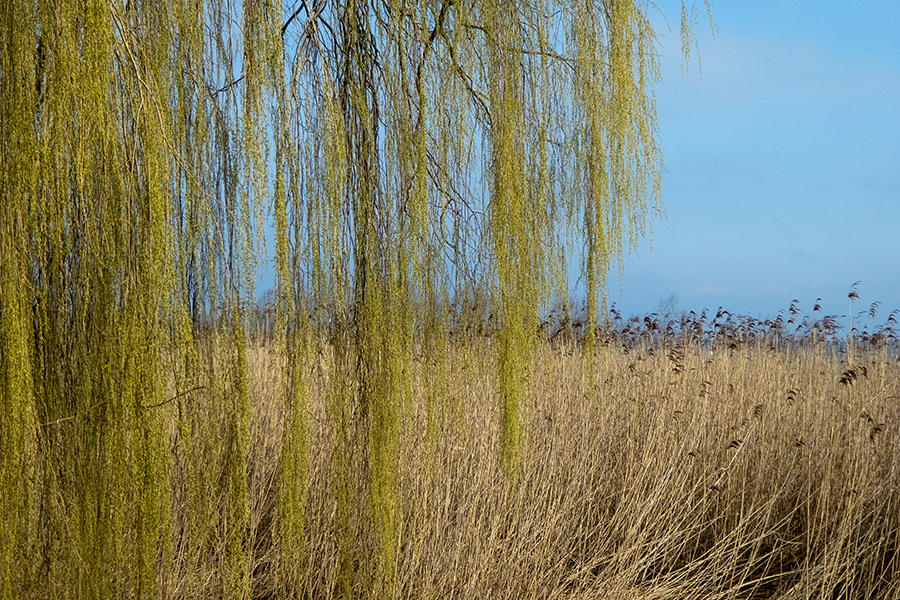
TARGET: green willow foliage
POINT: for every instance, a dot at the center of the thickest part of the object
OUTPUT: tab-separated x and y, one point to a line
407	152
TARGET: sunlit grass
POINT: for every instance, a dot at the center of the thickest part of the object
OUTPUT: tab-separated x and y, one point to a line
766	468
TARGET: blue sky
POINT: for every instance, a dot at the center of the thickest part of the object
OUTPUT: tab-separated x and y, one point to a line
783	162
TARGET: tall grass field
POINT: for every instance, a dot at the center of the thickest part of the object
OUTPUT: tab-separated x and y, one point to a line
703	458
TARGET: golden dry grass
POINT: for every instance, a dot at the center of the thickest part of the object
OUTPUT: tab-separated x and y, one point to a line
753	472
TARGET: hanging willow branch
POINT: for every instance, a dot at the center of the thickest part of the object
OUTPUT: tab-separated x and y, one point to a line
413	156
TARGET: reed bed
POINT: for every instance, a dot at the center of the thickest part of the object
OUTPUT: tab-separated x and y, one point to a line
693	460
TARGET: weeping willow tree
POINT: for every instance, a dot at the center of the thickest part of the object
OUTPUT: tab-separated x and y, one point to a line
132	183
410	153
